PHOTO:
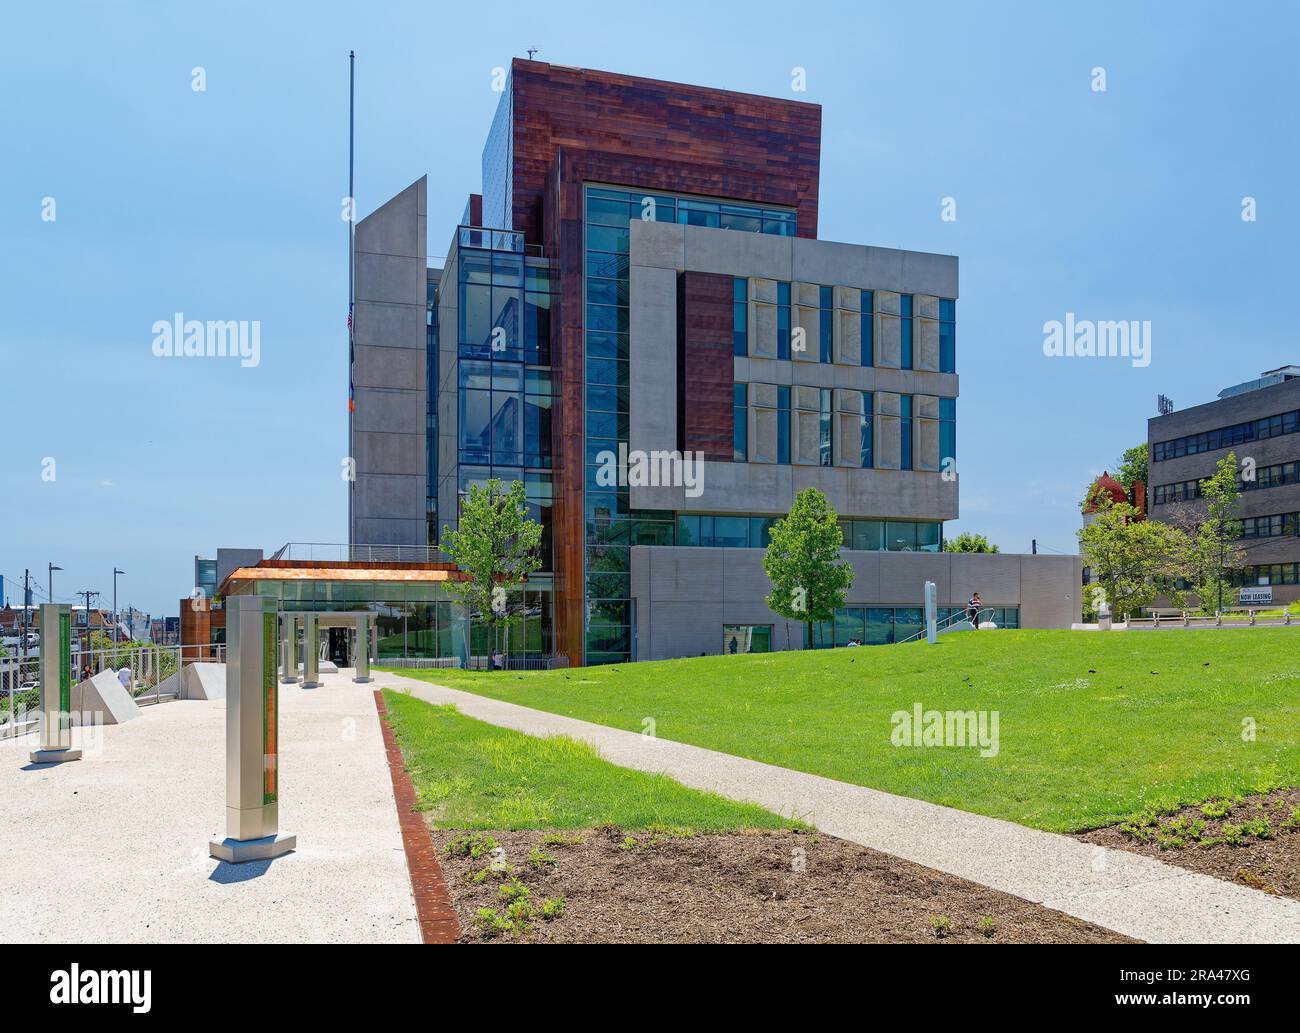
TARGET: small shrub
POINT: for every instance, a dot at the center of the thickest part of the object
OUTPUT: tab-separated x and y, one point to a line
562	839
988	927
520	912
942	926
514	890
472	844
553	908
1219	808
540	860
490	924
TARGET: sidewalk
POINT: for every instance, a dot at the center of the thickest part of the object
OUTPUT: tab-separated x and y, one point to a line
1133	895
114	848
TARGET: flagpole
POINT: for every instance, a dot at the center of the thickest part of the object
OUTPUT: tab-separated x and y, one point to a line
352	220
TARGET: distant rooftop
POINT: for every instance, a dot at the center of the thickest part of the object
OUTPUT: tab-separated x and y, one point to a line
1266	379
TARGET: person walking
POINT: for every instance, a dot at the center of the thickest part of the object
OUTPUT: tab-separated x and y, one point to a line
973	610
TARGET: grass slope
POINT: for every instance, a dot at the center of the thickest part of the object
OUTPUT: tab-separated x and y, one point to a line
1093	726
471	775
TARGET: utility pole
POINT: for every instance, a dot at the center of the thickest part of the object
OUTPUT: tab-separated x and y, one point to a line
27	598
115	621
87	593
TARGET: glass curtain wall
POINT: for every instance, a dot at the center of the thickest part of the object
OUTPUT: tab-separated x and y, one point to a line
610	526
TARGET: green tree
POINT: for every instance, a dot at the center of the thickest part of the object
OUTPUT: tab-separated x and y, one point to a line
1132	467
809	581
968	541
1212	553
1132	560
496	545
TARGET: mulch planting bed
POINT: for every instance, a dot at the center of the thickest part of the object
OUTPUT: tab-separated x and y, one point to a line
1252	841
759	887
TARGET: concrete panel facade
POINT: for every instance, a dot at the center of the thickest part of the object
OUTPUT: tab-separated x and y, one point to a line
386	502
658	250
684	595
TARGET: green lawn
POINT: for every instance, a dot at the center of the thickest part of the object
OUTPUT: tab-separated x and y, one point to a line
1158	724
471	775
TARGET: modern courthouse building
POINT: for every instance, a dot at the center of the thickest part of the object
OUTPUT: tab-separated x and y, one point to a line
1259	420
642	271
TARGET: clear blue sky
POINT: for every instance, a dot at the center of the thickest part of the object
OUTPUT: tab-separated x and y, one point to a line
225	205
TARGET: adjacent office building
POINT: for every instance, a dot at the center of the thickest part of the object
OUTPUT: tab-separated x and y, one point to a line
1259	421
641	277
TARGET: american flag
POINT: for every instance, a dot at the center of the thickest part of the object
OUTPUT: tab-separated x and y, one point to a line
352	358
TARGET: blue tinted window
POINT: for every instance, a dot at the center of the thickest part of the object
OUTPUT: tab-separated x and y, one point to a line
826	322
739	420
905	331
905	432
868	328
740	316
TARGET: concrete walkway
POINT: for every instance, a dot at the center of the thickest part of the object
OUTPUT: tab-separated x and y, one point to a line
114	848
1133	895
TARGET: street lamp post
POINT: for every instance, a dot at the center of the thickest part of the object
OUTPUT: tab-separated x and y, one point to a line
115	573
50	580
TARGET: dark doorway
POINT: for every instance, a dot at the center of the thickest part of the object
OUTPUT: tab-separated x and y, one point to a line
338	646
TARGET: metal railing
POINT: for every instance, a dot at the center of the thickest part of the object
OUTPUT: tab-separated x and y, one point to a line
940	626
343	552
147	669
495	240
1185	619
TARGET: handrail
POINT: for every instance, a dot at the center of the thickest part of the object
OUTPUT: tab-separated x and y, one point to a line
952	618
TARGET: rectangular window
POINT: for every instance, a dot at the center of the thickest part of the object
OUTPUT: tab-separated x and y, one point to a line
826	321
740	316
868	328
868	459
783	321
947	335
746	638
826	453
900	536
740	423
947	433
783	424
905	331
905	432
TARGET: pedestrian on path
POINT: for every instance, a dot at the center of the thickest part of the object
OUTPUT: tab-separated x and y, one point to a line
973	610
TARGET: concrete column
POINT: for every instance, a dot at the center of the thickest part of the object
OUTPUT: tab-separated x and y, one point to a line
362	658
288	649
252	735
311	651
56	686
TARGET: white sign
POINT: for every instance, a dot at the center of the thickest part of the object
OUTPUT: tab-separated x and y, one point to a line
1250	596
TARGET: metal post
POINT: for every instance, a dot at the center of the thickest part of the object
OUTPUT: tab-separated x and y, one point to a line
288	649
362	659
931	614
252	736
56	686
311	651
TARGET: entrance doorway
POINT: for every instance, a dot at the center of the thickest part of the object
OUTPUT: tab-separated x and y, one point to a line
338	646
